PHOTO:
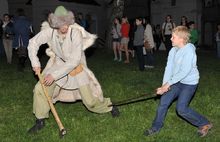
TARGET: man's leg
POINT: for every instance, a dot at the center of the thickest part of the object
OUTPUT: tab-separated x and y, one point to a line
22	56
93	103
41	106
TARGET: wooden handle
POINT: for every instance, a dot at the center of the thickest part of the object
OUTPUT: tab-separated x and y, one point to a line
50	102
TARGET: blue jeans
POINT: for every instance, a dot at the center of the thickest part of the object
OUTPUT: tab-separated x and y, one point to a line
218	48
184	93
149	58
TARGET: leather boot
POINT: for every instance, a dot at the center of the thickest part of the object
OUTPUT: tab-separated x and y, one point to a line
20	65
40	123
23	59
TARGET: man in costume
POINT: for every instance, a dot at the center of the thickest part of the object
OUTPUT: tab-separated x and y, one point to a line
21	27
66	75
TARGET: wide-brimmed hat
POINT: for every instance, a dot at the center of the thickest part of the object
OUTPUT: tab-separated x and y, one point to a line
61	17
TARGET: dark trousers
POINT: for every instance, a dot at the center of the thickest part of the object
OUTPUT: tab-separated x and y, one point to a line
22	52
140	57
168	43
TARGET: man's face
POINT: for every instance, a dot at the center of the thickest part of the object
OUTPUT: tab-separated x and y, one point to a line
80	16
6	18
63	29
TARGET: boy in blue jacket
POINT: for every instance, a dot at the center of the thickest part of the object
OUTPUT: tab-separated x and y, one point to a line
180	80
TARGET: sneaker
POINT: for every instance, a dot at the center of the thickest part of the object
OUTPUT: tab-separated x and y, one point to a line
132	52
150	132
126	62
119	60
146	66
115	112
40	123
203	131
115	59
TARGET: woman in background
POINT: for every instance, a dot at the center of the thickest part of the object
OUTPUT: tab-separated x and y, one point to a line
125	27
115	39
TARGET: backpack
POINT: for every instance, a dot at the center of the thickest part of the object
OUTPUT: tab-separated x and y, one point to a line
87	28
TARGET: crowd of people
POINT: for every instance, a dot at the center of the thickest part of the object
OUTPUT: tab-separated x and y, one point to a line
126	38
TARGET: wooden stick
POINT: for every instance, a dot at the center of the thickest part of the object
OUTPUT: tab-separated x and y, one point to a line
62	129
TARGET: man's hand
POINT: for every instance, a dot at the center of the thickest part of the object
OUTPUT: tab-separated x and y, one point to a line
48	80
35	69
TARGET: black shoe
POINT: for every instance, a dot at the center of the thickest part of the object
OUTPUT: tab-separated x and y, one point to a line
20	68
40	123
115	112
23	59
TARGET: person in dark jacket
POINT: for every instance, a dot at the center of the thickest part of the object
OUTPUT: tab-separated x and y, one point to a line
21	28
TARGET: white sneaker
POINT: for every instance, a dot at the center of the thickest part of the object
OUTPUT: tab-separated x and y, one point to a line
146	66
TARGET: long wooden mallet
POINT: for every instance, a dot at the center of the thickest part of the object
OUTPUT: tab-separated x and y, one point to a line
62	130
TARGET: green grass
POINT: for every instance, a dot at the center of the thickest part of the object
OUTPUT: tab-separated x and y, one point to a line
119	82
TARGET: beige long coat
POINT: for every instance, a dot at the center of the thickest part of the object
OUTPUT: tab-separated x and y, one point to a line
149	35
72	52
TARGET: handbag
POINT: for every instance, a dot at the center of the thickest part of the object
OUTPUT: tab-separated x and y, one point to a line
77	70
147	45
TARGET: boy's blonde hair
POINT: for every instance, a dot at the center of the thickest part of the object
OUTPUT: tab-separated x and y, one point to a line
182	32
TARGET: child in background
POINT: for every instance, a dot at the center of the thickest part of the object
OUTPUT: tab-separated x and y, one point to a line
193	32
138	42
218	40
115	39
180	80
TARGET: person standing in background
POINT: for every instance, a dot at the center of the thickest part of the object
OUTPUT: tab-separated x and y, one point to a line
115	39
167	32
158	36
184	22
7	38
193	32
149	38
218	40
2	51
138	42
21	38
81	21
125	28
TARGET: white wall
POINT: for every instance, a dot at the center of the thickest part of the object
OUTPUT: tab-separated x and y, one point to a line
192	9
3	8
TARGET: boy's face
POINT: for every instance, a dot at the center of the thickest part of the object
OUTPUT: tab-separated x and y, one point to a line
218	26
176	41
138	22
192	26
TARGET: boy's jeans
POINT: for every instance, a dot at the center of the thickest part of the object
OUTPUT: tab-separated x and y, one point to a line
184	93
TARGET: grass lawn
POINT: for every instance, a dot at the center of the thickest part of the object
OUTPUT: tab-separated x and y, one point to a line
119	82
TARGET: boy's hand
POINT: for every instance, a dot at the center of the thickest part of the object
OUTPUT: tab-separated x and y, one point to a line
163	89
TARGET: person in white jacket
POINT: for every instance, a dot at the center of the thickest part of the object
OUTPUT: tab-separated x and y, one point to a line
67	42
149	37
